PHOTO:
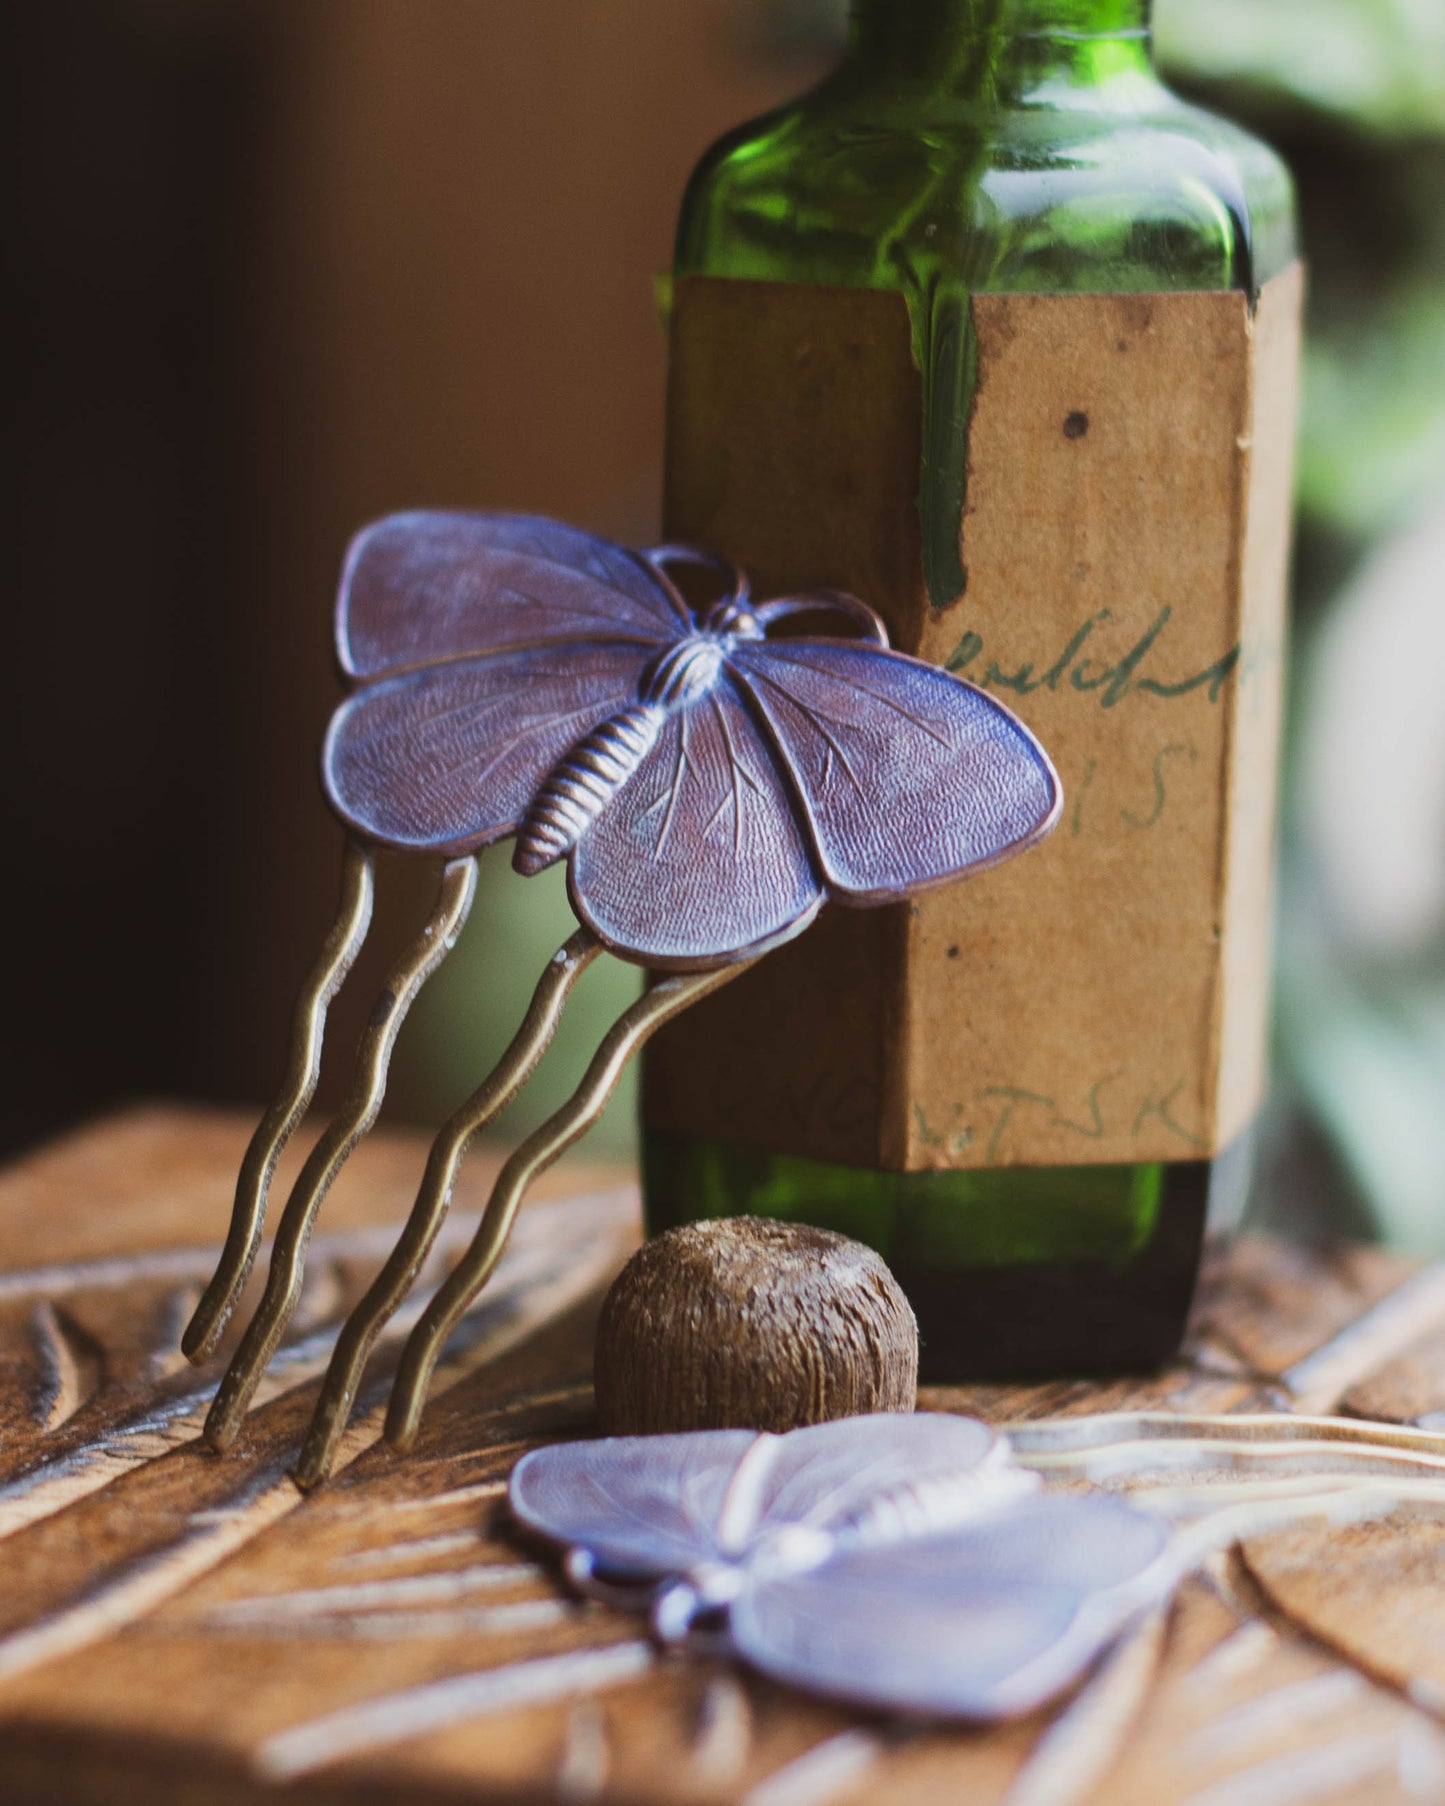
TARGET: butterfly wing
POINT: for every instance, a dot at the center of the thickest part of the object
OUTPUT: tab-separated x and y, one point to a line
699	858
448	758
907	776
433	585
987	1621
885	1476
486	646
644	1506
851	1478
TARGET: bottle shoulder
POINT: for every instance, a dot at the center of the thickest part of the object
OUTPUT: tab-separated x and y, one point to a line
1142	192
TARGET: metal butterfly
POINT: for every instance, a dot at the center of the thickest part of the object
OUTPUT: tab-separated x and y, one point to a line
709	785
895	1562
710	775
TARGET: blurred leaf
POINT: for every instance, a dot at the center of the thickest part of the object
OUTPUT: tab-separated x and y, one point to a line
1372	445
1367	1050
1373	63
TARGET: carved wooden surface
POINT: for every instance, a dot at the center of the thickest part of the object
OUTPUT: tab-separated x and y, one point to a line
175	1627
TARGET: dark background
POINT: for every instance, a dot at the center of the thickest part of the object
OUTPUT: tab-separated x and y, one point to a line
284	266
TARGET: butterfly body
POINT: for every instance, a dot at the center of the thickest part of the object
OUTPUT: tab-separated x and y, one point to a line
710	783
583	783
688	670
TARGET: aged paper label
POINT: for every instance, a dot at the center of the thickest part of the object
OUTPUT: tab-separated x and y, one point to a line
1125	540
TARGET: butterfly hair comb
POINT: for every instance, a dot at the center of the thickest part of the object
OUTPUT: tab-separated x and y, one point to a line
711	776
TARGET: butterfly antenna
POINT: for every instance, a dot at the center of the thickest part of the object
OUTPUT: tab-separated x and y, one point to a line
664	1000
283	1282
303	1067
506	1079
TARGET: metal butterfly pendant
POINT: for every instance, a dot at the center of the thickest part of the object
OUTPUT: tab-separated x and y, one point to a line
895	1562
711	777
710	784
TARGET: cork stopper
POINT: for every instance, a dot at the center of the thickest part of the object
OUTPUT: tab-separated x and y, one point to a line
741	1323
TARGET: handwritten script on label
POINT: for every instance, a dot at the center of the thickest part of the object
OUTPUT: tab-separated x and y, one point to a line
1078	666
998	1105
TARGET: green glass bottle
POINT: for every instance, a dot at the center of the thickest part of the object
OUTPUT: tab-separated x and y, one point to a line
966	148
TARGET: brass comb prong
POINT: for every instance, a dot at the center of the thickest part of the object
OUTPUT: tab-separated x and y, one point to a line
664	1000
283	1281
298	1086
390	1288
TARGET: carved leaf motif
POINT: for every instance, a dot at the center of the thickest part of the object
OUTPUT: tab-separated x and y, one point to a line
135	1608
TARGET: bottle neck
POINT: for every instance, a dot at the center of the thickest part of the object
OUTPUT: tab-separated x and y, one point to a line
946	45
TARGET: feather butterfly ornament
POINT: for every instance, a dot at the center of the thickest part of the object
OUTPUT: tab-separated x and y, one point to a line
711	775
898	1562
920	1564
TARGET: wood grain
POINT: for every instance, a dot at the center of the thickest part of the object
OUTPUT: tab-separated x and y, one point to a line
178	1627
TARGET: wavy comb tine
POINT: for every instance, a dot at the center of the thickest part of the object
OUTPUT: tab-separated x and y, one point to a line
303	1068
666	999
389	1289
283	1282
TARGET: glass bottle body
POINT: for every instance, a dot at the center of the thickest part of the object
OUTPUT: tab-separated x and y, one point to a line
1006	146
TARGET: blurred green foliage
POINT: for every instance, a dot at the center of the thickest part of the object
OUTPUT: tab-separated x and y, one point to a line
1353	93
1371	65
